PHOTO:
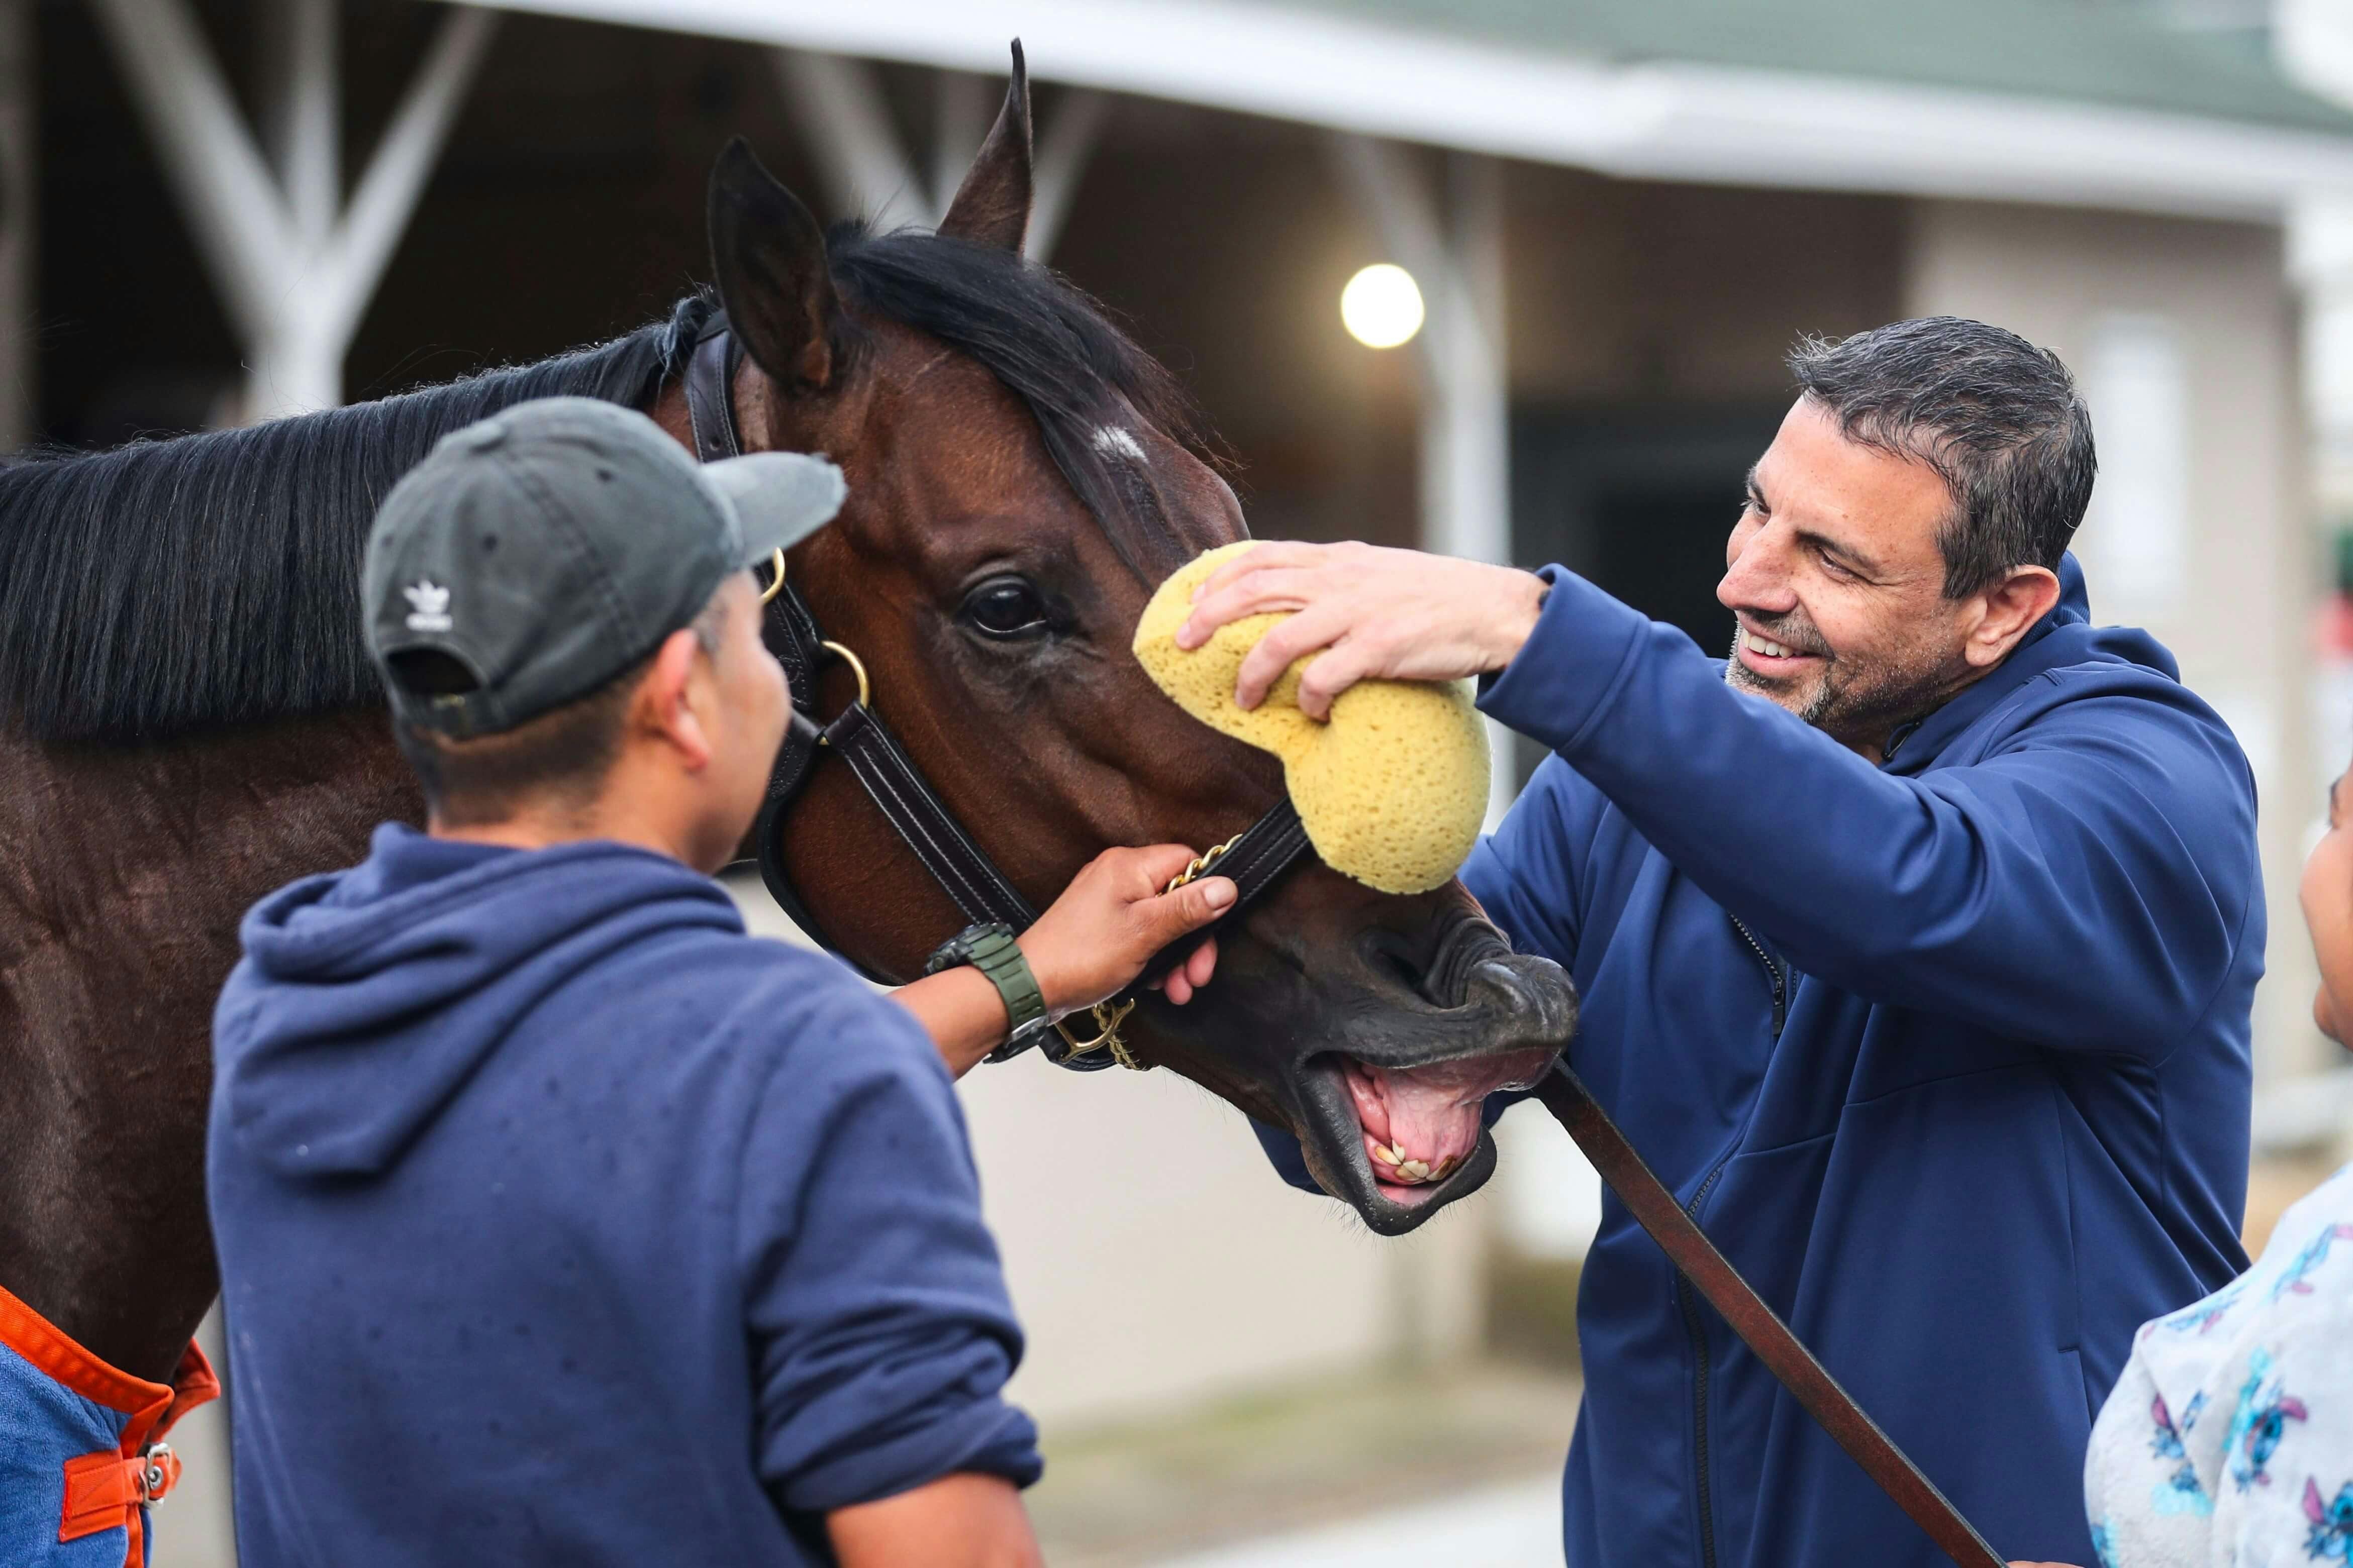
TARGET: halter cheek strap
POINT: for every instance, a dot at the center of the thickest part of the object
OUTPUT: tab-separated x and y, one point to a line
1254	859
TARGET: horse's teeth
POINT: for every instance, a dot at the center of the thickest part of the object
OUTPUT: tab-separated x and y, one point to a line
1417	1169
1387	1155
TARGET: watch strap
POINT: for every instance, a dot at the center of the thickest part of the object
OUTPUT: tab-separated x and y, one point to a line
990	948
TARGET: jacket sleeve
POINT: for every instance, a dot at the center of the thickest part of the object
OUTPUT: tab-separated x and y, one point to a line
2086	886
1525	873
881	1331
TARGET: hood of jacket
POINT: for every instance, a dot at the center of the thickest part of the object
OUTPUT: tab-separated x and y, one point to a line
2061	638
367	998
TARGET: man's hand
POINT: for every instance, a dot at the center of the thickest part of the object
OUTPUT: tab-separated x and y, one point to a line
1112	918
957	1522
1396	614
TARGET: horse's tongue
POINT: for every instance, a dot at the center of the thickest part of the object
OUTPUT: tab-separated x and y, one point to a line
1430	1114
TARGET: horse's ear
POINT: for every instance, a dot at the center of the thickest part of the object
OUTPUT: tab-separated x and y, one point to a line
768	254
992	206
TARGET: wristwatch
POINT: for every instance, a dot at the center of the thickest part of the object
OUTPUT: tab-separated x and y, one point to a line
990	948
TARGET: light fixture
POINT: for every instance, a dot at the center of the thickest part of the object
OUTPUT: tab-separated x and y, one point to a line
1381	306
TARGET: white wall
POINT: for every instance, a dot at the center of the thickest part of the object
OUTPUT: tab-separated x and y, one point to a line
2226	573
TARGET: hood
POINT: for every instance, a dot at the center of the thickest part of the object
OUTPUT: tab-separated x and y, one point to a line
2064	637
368	997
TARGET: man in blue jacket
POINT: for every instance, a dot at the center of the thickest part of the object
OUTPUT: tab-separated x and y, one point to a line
559	1220
1916	947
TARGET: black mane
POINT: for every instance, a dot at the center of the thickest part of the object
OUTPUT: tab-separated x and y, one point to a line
213	579
168	587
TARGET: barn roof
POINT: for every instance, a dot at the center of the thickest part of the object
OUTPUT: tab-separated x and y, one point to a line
2074	102
2091	51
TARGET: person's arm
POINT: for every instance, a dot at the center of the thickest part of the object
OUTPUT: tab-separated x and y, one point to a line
880	1331
1094	941
2088	887
957	1522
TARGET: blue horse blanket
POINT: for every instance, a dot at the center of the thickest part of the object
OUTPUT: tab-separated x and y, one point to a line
78	1469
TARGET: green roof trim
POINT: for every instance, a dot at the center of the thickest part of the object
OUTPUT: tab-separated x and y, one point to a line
2091	51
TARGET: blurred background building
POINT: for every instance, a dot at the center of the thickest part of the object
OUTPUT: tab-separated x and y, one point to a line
1602	223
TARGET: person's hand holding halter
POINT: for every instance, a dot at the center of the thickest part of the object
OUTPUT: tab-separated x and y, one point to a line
1116	915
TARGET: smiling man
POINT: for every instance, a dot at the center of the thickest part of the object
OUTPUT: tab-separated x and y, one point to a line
1916	946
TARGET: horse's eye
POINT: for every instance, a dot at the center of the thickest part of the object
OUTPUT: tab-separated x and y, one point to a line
1005	607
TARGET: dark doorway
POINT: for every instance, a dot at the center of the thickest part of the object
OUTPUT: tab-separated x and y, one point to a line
1639	501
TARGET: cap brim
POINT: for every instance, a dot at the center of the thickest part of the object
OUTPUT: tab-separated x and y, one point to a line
780	498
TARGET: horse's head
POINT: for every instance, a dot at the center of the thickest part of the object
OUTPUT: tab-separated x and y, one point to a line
1021	476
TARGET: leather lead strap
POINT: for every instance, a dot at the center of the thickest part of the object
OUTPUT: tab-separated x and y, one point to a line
1759	1327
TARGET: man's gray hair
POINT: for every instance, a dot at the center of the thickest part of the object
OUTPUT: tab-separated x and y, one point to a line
1998	419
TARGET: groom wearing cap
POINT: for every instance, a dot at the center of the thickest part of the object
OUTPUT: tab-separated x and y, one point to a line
558	1219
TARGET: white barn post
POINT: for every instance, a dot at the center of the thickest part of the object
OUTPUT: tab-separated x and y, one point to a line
1456	253
295	272
837	104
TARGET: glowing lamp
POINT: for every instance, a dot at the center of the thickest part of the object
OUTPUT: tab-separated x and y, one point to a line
1381	306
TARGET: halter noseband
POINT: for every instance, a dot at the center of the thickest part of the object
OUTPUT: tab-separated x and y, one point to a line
1254	859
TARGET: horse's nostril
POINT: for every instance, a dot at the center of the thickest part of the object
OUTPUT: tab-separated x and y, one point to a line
1465	952
1433	964
1532	991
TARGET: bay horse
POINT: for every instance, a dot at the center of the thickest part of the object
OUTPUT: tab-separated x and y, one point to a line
191	720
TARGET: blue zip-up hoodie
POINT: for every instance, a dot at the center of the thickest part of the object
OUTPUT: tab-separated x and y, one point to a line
561	1221
1950	1055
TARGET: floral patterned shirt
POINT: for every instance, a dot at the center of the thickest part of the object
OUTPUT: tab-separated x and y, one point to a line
2228	1442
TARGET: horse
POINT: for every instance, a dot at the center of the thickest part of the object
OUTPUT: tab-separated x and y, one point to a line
188	719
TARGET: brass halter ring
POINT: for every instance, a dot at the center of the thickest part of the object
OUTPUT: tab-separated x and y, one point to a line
856	667
1108	1017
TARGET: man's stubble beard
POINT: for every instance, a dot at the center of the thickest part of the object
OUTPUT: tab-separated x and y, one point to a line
1855	703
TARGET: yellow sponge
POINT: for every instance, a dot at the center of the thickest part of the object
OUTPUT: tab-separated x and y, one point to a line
1392	789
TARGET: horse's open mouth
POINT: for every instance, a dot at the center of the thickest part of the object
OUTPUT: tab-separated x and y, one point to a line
1402	1140
1419	1125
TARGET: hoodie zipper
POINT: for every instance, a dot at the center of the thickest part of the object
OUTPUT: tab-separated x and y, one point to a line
1773	972
1685	1299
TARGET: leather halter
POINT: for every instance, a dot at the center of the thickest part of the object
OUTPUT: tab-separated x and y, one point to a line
859	736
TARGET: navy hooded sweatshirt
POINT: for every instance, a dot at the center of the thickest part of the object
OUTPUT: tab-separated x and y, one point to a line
562	1222
1948	1055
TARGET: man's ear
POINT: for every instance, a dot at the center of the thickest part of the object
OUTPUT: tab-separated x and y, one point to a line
663	707
768	254
2009	609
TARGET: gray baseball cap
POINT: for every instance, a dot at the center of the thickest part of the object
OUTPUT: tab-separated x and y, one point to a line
549	547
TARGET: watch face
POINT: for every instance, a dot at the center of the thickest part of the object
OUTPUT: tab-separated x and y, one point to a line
1028	1031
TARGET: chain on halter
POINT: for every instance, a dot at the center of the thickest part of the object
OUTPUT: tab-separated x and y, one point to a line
1109	1015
